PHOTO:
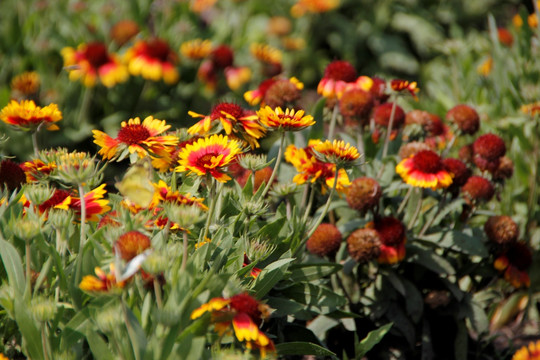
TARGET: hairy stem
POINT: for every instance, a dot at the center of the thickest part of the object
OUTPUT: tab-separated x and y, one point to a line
276	167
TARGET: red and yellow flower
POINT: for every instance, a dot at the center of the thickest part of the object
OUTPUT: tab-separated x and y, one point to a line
531	109
135	137
266	53
26	115
392	239
103	283
26	84
92	63
254	97
131	244
209	155
424	169
288	120
196	49
515	262
153	60
37	169
312	169
528	352
95	204
236	76
313	6
337	152
234	119
400	85
340	76
244	314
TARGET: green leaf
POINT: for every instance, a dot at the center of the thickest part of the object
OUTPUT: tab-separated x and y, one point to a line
303	348
310	272
98	346
317	298
75	329
13	265
467	241
373	338
429	260
29	331
270	276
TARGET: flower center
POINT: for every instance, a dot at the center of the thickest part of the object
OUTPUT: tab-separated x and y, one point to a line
222	56
96	54
519	256
158	49
340	70
133	134
427	162
228	108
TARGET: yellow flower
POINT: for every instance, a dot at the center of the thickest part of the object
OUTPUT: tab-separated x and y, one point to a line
266	53
26	115
336	152
26	83
153	60
196	49
288	120
209	155
528	352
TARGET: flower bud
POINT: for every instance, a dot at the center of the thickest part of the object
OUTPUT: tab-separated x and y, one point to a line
43	309
364	245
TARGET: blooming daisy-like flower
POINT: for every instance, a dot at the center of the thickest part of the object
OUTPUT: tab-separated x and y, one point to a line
209	156
340	76
400	85
37	169
103	283
12	175
528	352
196	49
131	244
425	169
237	76
235	120
288	120
515	263
153	60
392	237
61	199
135	137
92	63
311	169
26	115
244	314
313	6
266	53
123	31
531	109
336	152
94	203
166	195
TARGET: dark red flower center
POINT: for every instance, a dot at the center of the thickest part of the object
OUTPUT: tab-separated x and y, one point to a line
427	162
11	175
158	49
222	56
391	230
96	54
519	256
340	70
246	304
228	108
133	134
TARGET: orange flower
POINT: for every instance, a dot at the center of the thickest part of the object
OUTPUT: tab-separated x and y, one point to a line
392	237
208	156
103	283
135	137
196	49
166	195
254	97
37	169
528	352
313	6
153	60
515	262
400	85
26	115
94	203
290	120
340	76
425	169
131	244
531	109
26	84
91	62
311	169
244	314
234	119
237	76
266	53
336	152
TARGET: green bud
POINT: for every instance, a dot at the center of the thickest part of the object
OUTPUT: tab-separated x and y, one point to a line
38	193
155	263
43	309
253	162
109	318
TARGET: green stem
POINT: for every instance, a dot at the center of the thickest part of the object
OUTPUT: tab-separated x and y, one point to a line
276	167
416	211
82	240
213	202
28	257
131	332
85	105
323	214
333	121
44	342
426	226
184	255
34	143
157	291
389	129
309	204
405	200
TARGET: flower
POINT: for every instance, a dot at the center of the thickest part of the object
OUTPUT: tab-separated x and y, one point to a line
208	156
92	63
412	148
165	194
382	113
335	79
528	352
266	53
313	6
26	115
131	244
336	152
279	25
501	230
26	84
485	67
237	76
364	194
196	49
478	189
505	37
123	31
222	56
154	60
356	104
425	169
37	169
465	117
290	120
392	236
135	137
103	283
61	199
275	92
94	203
312	169
489	146
198	6
515	263
255	271
505	170
12	176
244	314
400	85
459	171
234	119
364	245
531	109
325	240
